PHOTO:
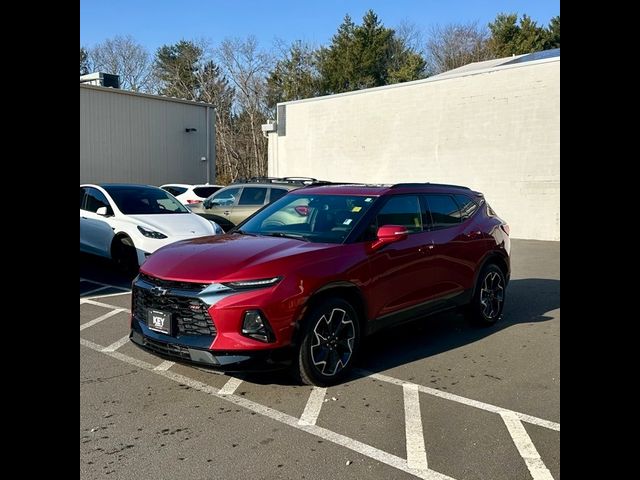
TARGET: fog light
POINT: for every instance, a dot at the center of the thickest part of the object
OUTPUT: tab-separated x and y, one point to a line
254	325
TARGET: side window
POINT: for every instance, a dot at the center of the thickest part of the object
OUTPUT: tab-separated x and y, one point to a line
467	206
253	196
277	193
82	193
444	211
95	200
401	210
226	197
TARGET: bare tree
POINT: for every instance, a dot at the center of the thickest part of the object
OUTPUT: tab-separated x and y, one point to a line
125	57
454	45
247	67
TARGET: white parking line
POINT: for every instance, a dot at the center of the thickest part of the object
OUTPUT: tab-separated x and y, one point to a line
94	290
314	404
103	284
416	453
106	295
164	366
328	435
231	386
466	401
116	345
101	318
100	304
525	447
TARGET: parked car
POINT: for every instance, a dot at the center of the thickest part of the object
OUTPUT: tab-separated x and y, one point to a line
347	261
129	222
231	205
188	194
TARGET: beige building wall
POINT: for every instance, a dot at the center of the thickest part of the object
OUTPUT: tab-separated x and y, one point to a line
496	131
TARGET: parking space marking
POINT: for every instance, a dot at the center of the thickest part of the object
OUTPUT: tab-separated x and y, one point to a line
164	366
328	435
101	317
100	304
105	285
466	401
416	452
94	290
230	387
106	295
117	344
313	406
526	448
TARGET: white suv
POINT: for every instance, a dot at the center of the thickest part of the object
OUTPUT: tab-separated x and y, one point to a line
190	193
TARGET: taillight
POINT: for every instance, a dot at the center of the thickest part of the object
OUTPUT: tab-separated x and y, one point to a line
302	210
505	227
194	201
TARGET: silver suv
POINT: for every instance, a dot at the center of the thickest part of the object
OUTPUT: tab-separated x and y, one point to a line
232	204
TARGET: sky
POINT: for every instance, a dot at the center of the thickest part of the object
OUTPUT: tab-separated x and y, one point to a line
154	23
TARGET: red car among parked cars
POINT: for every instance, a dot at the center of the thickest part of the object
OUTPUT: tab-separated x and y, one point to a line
301	281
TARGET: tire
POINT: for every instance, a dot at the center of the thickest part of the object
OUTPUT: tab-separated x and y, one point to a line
487	304
323	359
124	255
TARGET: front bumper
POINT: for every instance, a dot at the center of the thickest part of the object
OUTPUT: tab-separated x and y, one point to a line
263	360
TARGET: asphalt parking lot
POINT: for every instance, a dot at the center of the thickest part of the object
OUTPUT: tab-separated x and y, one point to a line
435	399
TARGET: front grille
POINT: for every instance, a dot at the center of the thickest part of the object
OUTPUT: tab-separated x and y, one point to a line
167	349
189	315
173	285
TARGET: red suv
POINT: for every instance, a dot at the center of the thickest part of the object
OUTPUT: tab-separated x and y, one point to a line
301	281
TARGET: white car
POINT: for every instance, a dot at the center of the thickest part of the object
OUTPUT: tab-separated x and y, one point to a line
129	222
190	193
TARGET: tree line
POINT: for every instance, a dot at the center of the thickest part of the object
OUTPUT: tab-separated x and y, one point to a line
245	81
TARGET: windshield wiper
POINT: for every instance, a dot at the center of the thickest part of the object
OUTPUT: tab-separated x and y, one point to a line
286	235
242	232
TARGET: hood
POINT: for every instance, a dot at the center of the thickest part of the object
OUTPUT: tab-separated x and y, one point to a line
175	224
233	257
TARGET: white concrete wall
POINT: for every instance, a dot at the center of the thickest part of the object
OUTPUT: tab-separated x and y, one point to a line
497	132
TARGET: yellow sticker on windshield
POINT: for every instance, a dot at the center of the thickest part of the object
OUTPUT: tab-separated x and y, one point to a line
356	209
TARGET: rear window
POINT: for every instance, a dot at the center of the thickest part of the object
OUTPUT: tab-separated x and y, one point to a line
467	206
253	196
277	193
204	192
444	211
175	191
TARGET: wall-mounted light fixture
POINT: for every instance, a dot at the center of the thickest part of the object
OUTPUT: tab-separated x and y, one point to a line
190	130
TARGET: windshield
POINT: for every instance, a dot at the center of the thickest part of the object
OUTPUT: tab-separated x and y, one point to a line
312	218
139	200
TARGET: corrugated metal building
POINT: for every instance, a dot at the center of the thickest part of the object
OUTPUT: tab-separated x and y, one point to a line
492	126
138	138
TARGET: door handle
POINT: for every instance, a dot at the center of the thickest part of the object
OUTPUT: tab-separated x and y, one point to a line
84	218
226	212
426	248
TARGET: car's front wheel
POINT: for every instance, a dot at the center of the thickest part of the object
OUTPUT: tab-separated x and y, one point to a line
330	341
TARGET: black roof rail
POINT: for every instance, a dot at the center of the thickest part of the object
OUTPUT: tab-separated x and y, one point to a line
287	180
426	184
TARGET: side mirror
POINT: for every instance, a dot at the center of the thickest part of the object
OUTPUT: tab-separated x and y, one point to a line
102	211
389	234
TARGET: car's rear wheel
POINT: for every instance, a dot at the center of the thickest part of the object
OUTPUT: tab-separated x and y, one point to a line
124	255
330	342
488	300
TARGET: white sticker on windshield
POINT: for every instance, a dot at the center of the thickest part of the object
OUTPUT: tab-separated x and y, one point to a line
347	221
368	199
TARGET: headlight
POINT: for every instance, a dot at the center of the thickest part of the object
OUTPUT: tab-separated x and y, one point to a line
151	233
217	229
263	282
